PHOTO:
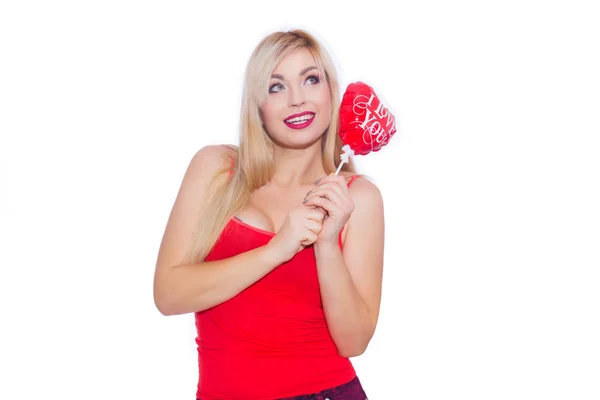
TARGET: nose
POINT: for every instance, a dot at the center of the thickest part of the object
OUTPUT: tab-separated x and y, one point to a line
295	97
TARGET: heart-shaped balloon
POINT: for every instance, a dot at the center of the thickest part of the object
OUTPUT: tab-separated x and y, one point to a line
366	125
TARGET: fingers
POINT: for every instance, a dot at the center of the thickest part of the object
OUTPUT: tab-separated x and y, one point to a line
331	191
329	194
309	239
324	187
313	225
321	202
314	213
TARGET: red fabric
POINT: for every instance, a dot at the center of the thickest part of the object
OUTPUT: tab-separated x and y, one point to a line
271	340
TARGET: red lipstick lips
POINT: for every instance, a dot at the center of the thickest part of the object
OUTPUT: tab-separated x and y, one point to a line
300	121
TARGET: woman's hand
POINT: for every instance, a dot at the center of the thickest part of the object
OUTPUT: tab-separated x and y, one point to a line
331	194
299	230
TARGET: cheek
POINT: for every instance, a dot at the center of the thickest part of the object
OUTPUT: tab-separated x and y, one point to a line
266	111
325	106
324	99
271	109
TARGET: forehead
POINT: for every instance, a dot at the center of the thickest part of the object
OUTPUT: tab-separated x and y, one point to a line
295	62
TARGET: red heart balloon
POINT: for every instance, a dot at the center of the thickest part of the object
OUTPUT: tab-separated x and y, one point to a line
365	124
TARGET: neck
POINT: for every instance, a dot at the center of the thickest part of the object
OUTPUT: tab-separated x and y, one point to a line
296	167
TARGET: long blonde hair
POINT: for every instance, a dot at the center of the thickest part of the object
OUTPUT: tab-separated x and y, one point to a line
253	160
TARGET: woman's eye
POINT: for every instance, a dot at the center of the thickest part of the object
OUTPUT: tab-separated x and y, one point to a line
276	88
314	79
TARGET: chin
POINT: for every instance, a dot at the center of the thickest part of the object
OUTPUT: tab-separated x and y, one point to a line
300	138
303	140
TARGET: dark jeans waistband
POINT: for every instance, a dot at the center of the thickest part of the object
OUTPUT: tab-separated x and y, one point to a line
352	390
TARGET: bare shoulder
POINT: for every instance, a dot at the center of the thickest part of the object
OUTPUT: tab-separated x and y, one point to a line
212	158
365	191
205	167
208	169
368	210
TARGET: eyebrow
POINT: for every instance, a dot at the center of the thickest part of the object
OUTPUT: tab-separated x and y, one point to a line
305	70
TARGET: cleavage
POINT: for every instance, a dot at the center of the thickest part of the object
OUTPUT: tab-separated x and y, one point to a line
267	211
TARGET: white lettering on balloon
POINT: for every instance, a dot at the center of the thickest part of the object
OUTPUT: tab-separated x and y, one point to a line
374	131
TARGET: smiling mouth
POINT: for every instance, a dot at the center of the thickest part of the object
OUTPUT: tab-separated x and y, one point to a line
303	119
300	121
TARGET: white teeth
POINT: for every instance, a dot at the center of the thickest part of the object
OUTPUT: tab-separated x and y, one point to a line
299	120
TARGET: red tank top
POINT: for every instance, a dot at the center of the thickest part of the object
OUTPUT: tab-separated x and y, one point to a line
271	340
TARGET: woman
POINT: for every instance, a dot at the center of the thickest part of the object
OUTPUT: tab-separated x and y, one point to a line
280	259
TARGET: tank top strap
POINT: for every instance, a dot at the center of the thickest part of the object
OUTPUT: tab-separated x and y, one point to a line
352	179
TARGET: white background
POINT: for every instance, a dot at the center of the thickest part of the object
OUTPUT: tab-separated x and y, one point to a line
491	188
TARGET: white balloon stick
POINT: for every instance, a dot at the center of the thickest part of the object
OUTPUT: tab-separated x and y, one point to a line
345	156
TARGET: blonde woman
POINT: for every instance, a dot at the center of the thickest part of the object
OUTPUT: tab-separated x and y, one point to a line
279	259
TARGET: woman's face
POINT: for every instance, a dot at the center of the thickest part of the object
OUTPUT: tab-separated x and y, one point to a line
298	107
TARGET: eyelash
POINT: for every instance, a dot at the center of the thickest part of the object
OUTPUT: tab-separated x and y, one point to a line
316	78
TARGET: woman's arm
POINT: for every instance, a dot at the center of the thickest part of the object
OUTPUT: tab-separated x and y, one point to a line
351	279
190	288
180	289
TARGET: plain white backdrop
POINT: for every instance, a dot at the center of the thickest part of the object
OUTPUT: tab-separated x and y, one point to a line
491	188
